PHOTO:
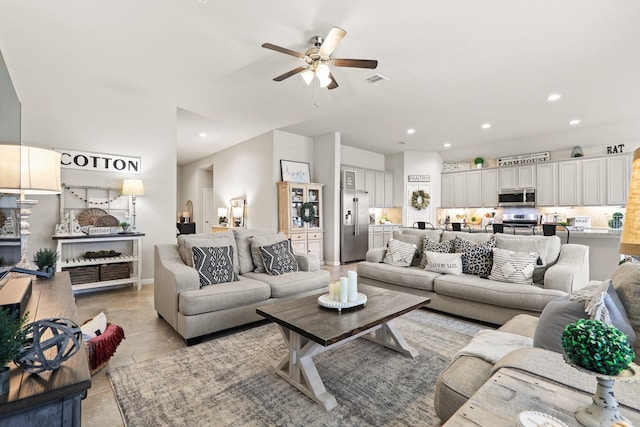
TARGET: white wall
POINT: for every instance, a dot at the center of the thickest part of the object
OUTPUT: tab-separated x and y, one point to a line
361	158
327	165
289	146
66	115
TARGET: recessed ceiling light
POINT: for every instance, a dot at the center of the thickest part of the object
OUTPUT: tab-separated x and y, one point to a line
446	145
486	125
203	135
411	131
554	97
574	122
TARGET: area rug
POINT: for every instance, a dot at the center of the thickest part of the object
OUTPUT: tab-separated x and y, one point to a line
229	381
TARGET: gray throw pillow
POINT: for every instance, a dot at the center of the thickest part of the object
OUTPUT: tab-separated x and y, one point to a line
214	264
433	246
626	280
562	312
263	240
278	258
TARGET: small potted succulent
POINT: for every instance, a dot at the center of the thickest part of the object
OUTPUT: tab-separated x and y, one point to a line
125	226
597	347
46	259
616	220
479	162
12	340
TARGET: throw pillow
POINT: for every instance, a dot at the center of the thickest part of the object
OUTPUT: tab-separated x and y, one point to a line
263	240
477	258
447	263
547	246
626	280
94	327
214	264
433	246
564	311
278	258
399	253
513	267
414	240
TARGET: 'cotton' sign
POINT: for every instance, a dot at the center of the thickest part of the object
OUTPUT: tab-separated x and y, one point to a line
98	162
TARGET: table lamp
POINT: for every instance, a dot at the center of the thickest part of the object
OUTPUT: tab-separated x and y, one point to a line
133	188
26	171
630	242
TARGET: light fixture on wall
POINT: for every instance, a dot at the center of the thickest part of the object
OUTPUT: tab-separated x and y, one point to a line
133	188
630	242
238	211
28	171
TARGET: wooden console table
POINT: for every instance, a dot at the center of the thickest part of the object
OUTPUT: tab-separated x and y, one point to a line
508	392
51	398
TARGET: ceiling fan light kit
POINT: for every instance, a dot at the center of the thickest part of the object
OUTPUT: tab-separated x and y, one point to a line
318	60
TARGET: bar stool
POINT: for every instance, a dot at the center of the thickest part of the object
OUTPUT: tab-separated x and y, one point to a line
422	225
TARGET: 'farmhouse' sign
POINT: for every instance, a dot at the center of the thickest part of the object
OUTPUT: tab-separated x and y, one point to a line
523	159
100	162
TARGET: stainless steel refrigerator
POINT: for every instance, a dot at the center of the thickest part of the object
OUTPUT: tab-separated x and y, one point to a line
354	229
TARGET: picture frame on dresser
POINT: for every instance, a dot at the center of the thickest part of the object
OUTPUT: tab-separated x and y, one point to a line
293	171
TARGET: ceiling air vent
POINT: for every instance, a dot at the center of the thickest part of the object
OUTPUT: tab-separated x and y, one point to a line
376	79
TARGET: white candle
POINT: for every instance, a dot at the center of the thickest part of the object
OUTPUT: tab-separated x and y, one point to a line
336	291
353	286
331	290
344	289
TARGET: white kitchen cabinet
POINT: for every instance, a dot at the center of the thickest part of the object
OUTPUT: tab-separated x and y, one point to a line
569	183
473	189
593	182
446	196
359	179
388	190
387	234
379	190
489	188
370	185
547	184
517	177
376	236
459	189
618	177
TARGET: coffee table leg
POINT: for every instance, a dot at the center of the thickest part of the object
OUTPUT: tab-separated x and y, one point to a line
300	371
390	337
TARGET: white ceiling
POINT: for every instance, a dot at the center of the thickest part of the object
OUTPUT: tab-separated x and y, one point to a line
452	65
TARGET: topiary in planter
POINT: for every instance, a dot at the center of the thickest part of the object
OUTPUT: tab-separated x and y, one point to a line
597	346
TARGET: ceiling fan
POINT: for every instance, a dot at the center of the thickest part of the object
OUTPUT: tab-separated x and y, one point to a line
318	60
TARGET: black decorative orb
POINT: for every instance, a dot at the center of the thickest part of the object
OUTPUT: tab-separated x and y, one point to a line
49	343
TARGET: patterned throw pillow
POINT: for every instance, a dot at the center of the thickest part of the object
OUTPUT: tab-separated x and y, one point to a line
444	262
513	267
214	264
477	258
399	253
278	258
433	246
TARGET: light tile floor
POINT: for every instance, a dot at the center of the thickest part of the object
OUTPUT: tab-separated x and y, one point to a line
147	337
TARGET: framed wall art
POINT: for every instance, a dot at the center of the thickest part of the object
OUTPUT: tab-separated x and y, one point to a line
295	171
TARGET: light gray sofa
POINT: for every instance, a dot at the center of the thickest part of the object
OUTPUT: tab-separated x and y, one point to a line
466	374
193	311
566	270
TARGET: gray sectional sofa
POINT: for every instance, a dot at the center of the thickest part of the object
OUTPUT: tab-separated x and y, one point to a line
566	269
194	311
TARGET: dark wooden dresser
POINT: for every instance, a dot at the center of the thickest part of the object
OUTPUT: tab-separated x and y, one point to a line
51	398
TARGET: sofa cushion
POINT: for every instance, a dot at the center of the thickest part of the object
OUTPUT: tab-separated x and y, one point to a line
547	246
294	283
399	253
513	267
626	280
223	296
444	262
432	246
477	257
431	234
243	243
263	240
412	239
278	258
214	264
562	312
475	237
411	277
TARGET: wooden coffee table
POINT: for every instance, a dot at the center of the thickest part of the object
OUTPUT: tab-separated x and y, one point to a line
309	329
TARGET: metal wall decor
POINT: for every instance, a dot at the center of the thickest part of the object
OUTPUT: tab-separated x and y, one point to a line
49	343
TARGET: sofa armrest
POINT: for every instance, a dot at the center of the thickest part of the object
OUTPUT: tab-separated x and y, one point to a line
571	272
376	254
307	262
171	276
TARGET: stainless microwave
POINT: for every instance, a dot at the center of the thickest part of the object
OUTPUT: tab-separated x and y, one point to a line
524	197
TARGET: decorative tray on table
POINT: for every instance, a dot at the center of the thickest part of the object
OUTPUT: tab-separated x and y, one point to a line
326	301
101	254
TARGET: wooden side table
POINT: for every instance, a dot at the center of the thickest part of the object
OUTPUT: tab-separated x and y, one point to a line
508	392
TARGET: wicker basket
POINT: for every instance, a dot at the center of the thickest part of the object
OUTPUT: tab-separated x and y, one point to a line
100	349
115	271
84	274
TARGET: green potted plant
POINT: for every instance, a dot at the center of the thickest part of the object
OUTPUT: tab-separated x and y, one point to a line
479	162
125	226
12	339
45	259
616	220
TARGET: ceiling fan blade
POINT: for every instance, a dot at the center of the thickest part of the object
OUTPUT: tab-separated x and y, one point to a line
333	38
283	50
333	84
289	74
355	63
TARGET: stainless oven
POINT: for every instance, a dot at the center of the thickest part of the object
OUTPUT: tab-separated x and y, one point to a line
524	197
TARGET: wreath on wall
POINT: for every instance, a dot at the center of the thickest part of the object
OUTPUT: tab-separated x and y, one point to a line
307	212
420	199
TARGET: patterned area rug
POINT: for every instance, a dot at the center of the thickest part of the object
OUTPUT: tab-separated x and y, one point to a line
228	381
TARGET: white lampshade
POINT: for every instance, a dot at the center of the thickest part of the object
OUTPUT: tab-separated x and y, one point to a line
630	242
132	187
307	75
323	73
30	170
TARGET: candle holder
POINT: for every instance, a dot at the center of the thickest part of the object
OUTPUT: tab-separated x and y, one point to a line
327	302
